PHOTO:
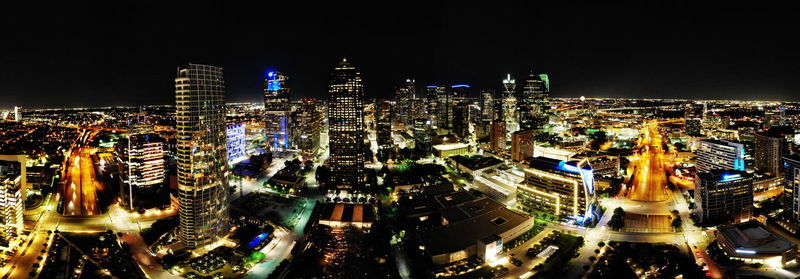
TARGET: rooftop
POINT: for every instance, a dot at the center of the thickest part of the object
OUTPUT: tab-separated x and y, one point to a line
753	237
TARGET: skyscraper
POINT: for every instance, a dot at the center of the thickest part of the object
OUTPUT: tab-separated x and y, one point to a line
202	155
383	124
12	193
522	144
308	120
346	127
404	96
723	196
422	135
459	109
533	105
488	105
720	155
791	188
143	175
276	111
509	104
769	146
497	137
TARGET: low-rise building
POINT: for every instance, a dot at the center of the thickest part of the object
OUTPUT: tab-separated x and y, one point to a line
753	242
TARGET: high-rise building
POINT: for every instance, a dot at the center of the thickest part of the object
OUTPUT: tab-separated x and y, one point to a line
308	120
12	193
720	155
422	135
694	127
141	158
17	114
522	143
202	155
723	196
532	106
509	104
383	124
436	111
769	146
404	96
276	111
236	145
497	137
346	127
561	188
488	105
420	109
774	118
791	188
459	110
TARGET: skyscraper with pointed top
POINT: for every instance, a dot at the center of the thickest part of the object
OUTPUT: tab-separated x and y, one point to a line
346	127
202	155
276	111
533	105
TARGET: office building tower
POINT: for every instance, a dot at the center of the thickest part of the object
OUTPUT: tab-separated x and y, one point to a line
522	143
383	124
694	127
141	158
488	106
422	135
420	108
12	193
202	155
436	111
769	146
17	114
775	117
720	155
563	189
308	120
532	106
791	186
509	104
404	98
723	196
346	127
497	137
276	111
236	145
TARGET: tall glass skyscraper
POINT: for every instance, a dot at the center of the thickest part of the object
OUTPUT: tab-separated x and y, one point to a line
346	127
202	154
533	105
276	111
404	96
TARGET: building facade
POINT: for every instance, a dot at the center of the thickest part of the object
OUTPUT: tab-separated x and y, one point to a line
143	175
202	155
497	137
522	143
723	196
720	155
276	111
563	189
346	127
791	186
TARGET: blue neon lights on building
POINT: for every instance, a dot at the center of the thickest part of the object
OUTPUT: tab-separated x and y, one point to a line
274	85
271	74
460	86
431	86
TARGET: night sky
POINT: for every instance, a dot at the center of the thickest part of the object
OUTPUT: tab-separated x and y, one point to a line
83	54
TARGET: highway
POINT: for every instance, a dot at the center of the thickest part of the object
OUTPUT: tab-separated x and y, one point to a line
649	182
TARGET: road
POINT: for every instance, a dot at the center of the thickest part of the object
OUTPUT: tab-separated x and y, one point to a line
649	180
80	179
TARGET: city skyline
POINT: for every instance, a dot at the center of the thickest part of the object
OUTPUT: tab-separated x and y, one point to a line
613	50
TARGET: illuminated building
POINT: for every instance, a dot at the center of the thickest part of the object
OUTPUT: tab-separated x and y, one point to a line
720	155
202	155
308	120
694	127
143	175
532	107
276	111
488	105
461	120
497	137
12	191
723	196
383	124
471	227
237	149
561	188
774	118
769	146
753	242
422	135
405	102
450	149
437	105
346	127
791	186
509	104
17	114
522	143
